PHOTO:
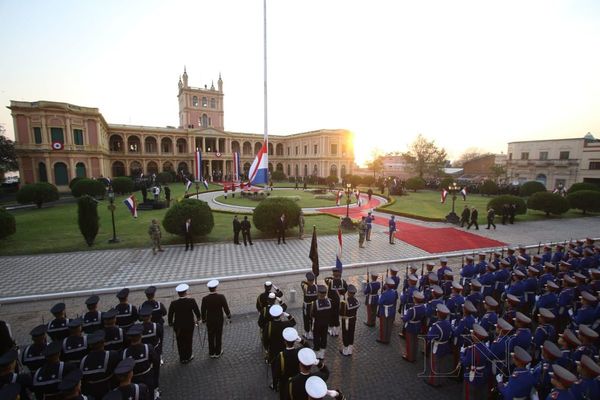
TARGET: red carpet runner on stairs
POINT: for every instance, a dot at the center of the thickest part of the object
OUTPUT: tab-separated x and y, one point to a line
432	240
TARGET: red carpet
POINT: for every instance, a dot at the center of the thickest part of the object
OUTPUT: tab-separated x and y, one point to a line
432	240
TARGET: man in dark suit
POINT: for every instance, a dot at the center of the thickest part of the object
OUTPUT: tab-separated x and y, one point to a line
237	227
213	306
281	225
246	230
474	216
187	233
181	318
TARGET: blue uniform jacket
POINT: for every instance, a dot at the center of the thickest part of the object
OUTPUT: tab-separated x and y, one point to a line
439	335
462	327
387	303
372	292
476	365
543	333
413	318
519	384
586	388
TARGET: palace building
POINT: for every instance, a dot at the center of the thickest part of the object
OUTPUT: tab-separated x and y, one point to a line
56	142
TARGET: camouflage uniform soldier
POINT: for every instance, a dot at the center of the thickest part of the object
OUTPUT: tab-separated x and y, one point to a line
154	232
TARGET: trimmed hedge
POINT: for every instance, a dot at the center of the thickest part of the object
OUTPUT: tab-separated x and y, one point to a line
88	187
8	224
87	217
488	187
165	177
278	175
550	203
498	202
37	193
269	210
122	185
415	183
585	200
582	186
74	181
531	187
198	210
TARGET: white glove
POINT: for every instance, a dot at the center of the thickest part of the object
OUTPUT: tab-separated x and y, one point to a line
499	378
286	314
537	297
332	393
316	362
571	312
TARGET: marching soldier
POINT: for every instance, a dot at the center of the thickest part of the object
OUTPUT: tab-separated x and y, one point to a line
321	314
474	360
371	293
522	337
463	327
588	387
489	320
70	386
214	305
488	280
92	319
114	337
75	346
98	367
467	272
285	364
413	319
8	364
57	328
588	337
481	266
521	381
542	372
33	355
152	332
183	316
126	313
438	346
159	311
273	332
316	389
568	343
561	381
348	309
295	389
337	288
309	290
500	346
147	362
387	311
443	268
126	389
455	302
47	378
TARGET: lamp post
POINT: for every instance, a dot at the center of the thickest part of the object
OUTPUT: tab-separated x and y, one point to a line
347	222
453	189
111	207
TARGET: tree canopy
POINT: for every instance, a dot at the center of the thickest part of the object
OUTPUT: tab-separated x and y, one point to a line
8	156
425	157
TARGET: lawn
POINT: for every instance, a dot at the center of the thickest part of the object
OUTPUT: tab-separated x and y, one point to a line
427	204
54	228
307	199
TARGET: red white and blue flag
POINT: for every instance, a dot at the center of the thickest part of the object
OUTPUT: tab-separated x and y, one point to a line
131	203
338	254
198	166
236	166
188	184
463	192
205	183
259	170
444	194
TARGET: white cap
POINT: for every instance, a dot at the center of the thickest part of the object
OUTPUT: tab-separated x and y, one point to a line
290	335
212	284
268	283
315	387
271	295
182	287
275	310
307	357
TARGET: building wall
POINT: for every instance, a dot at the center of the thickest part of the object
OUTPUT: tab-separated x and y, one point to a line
480	165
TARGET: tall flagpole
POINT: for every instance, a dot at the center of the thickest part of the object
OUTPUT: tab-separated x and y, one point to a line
265	71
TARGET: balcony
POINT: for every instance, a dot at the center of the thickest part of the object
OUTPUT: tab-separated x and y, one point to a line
556	163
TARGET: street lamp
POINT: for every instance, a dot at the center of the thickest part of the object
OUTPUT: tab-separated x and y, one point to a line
453	189
347	222
111	207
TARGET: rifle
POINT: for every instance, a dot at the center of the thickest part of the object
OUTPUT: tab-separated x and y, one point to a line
502	253
368	276
462	260
490	258
539	245
422	269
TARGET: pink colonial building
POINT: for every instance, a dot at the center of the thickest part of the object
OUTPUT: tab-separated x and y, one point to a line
56	142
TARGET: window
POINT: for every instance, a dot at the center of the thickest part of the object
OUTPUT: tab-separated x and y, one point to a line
333	149
543	155
564	155
204	121
288	152
305	149
80	170
37	135
213	103
61	177
594	165
43	175
343	149
204	102
56	134
510	156
316	149
525	156
296	150
78	137
195	101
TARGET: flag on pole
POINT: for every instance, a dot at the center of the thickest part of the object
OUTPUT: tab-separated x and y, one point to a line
338	254
205	184
131	203
197	166
258	173
314	253
236	166
444	194
463	192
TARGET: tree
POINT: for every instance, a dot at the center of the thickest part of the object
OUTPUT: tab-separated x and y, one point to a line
122	184
376	164
202	218
425	157
8	225
270	209
497	171
38	193
488	187
470	154
531	187
415	183
88	219
583	186
90	187
8	155
585	200
550	203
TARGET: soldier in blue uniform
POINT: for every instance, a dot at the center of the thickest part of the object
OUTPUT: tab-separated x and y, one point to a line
522	336
455	302
549	299
126	389
544	331
517	287
546	254
394	275
371	293
410	270
387	311
488	280
523	253
568	343
548	275
309	294
92	319
70	386
467	272
521	381
336	290
565	302
33	355
435	299
587	313
475	296
406	298
47	378
588	338
159	311
98	367
530	287
490	318
500	346
510	256
446	284
424	280
126	313
413	319
511	306
588	386
75	346
481	266
57	328
503	276
8	374
443	268
439	347
348	309
496	258
321	315
561	380
558	255
551	354
475	362
147	362
114	337
153	332
463	327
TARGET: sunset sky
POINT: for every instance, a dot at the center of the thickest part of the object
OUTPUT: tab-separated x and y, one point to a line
463	73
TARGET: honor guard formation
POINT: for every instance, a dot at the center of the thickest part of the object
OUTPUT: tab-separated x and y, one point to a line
511	326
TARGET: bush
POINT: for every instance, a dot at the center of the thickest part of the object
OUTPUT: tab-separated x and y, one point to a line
278	175
74	181
122	185
498	202
198	210
331	179
38	193
550	203
531	187
165	177
488	187
446	182
8	225
415	183
269	210
104	181
584	200
88	187
354	180
582	186
368	180
88	219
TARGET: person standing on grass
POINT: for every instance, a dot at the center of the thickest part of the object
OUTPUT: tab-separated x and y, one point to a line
155	235
168	195
474	216
392	228
491	214
301	225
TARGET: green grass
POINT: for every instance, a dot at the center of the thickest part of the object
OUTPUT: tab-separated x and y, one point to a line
427	204
307	199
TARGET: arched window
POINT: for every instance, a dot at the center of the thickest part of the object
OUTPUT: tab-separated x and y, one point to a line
115	143
270	148
279	167
182	168
343	171
270	167
167	166
204	102
43	174
135	169
195	101
333	170
133	144
166	145
257	147
204	121
118	169
289	169
305	170
315	170
150	144
181	146
213	103
80	170
61	176
279	149
152	168
247	148
246	169
235	147
541	178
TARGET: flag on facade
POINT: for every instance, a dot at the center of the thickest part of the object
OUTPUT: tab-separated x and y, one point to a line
197	166
205	183
131	203
314	253
188	184
236	166
463	192
444	194
338	254
259	170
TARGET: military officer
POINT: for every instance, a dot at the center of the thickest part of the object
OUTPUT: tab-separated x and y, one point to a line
413	319
558	255
147	362
522	336
8	364
285	364
92	319
455	302
546	254
309	290
394	275
70	386
183	316
521	381
57	328
588	338
321	315
500	346
273	332
561	380
443	268
316	389
463	327
588	386
489	320
75	346
336	290
114	337
551	354
348	310
98	367
371	293
387	311
262	299
481	266
213	306
152	333
438	346
126	389
33	355
47	378
126	313
544	331
568	343
474	360
307	358
159	311
467	272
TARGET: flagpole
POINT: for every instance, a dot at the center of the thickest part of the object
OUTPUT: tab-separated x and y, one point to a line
265	72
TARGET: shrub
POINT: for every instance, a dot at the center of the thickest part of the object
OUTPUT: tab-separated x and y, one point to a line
88	187
8	225
38	193
368	180
165	177
122	185
269	210
354	180
498	202
488	187
550	203
584	200
415	183
87	212
331	179
278	175
582	186
531	187
104	181
198	210
327	196
74	181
